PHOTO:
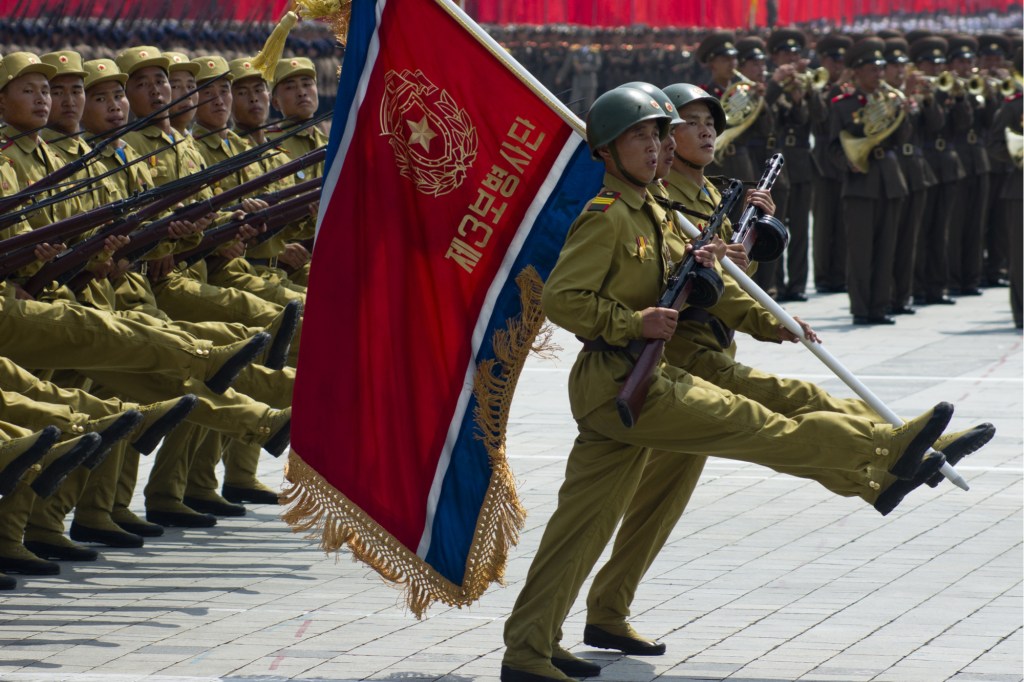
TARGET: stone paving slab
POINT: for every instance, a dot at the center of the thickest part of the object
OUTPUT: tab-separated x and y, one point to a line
766	578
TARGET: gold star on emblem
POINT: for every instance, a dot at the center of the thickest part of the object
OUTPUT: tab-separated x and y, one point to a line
421	133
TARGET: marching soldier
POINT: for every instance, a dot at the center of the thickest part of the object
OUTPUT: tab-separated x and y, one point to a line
829	243
993	58
608	459
871	196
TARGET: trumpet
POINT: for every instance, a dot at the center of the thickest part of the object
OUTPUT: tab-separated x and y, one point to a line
809	80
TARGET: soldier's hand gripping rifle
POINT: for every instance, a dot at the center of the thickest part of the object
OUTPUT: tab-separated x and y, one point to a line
690	284
273	219
763	236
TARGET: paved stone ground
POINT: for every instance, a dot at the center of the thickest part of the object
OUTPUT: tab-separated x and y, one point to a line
766	577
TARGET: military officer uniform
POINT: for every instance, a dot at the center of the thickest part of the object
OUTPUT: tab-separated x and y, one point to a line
968	224
996	244
924	116
931	262
793	140
870	201
829	243
735	159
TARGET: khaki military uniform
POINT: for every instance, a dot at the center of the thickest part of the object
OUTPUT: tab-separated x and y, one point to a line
668	479
613	265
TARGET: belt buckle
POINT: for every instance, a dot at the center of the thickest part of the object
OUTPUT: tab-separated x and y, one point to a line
972	137
144	267
770	142
272	262
908	149
790	140
940	145
878	153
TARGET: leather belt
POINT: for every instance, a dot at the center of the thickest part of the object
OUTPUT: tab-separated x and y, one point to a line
263	262
723	334
599	345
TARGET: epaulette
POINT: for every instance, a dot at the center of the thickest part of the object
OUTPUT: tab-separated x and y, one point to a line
5	143
1015	96
841	96
603	201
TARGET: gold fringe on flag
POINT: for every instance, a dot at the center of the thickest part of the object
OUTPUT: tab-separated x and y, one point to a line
318	508
266	61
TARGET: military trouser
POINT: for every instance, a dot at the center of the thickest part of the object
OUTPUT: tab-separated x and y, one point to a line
798	220
683	414
967	232
1015	218
870	254
668	479
997	234
829	235
931	263
237	273
907	227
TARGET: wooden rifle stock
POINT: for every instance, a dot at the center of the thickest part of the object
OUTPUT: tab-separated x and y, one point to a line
631	397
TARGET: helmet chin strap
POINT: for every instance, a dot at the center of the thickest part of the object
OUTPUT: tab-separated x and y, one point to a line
689	163
629	177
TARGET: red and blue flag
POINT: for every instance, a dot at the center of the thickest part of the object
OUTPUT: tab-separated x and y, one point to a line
452	178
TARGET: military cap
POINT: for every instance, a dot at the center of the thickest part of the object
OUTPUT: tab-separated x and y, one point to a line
132	59
992	44
101	70
962	47
918	33
181	62
715	44
929	49
22	63
212	66
293	66
67	63
867	51
750	47
887	33
787	40
834	45
242	68
896	51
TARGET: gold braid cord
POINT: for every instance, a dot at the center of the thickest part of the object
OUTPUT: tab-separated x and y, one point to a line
335	12
326	514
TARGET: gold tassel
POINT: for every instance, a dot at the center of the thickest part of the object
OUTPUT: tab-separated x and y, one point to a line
266	61
335	12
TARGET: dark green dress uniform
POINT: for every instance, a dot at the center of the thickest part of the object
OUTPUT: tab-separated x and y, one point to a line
969	222
1009	118
735	159
829	242
612	266
931	262
994	266
793	140
870	201
925	116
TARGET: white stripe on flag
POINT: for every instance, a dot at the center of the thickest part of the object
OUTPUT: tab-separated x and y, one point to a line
334	169
503	274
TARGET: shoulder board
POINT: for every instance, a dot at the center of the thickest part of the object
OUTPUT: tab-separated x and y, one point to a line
841	96
602	201
1014	97
4	144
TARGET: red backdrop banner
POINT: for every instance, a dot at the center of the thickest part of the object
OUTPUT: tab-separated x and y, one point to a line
710	13
241	10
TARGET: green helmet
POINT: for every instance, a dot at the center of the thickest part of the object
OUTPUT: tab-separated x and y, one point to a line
682	94
618	110
659	95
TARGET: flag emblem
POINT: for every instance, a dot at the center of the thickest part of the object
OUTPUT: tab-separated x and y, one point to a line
434	140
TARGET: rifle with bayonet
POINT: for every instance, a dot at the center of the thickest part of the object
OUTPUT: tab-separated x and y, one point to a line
690	284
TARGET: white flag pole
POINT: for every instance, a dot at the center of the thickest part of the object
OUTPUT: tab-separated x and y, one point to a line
751	287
